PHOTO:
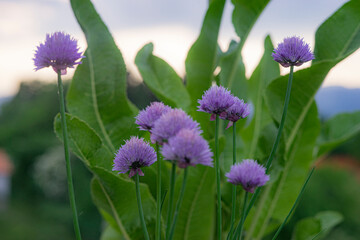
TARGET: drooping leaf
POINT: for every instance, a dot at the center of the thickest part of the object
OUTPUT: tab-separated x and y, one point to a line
201	59
97	93
339	35
316	227
161	78
337	130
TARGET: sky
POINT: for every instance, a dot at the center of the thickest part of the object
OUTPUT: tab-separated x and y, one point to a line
171	25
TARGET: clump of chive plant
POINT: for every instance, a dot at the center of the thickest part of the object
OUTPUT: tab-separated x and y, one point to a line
60	51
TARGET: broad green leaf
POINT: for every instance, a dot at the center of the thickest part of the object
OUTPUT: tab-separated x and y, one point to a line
245	15
161	78
266	71
116	195
197	214
201	59
316	227
232	73
85	143
278	197
339	35
337	130
97	93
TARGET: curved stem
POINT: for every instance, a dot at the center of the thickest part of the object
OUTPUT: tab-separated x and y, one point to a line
233	201
217	172
158	205
178	205
295	204
141	213
171	198
278	136
67	158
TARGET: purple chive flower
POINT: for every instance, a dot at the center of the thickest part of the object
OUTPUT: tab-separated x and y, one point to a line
147	118
133	155
188	148
170	123
292	52
249	174
60	51
237	111
215	101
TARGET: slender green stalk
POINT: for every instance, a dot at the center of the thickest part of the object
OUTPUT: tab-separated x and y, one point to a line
158	207
217	172
141	213
233	201
178	204
67	158
278	136
171	199
239	228
295	204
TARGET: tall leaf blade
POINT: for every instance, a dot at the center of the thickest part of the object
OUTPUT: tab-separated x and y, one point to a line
98	91
201	59
161	78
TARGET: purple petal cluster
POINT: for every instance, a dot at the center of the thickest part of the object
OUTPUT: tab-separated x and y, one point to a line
215	101
249	174
133	155
146	118
188	148
292	52
60	51
237	111
170	123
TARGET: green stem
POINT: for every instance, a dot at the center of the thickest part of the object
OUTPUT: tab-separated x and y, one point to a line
171	199
158	207
239	228
233	201
217	172
295	204
67	158
141	213
178	204
278	136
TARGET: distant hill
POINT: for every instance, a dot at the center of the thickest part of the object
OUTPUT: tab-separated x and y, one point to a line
334	100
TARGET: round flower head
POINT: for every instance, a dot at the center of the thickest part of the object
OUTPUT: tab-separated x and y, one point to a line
292	52
60	51
188	148
147	118
133	155
237	111
215	101
249	174
170	123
